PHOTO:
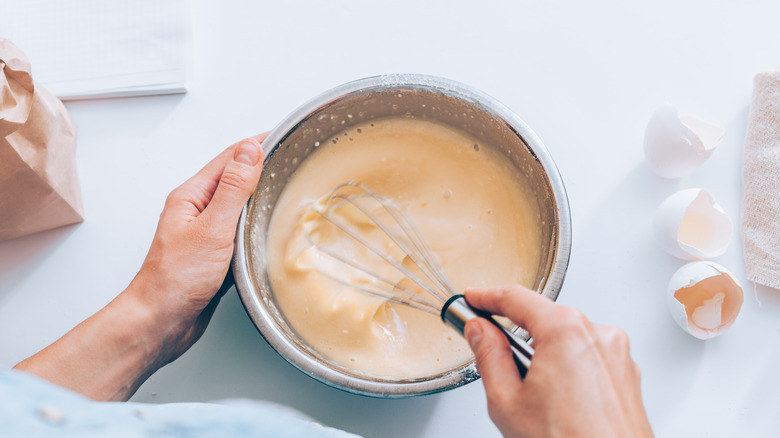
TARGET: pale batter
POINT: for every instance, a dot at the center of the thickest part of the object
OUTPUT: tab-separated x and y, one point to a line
471	207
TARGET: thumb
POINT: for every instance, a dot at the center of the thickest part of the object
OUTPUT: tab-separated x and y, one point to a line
236	185
494	359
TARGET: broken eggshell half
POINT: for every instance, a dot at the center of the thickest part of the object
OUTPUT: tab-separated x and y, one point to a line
690	225
704	299
675	145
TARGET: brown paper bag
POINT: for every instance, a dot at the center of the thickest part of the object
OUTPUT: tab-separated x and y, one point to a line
39	188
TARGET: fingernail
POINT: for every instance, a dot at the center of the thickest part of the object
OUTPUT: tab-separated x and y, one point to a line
473	334
247	153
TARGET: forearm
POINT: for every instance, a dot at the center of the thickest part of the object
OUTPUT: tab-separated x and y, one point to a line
106	357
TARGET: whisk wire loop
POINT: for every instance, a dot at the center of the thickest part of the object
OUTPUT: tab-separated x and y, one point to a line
408	240
408	296
452	308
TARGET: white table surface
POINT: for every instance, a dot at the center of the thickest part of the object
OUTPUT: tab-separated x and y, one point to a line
586	76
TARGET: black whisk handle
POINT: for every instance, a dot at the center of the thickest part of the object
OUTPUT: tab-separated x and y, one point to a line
456	311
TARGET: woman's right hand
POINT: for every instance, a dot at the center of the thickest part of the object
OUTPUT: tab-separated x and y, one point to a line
582	380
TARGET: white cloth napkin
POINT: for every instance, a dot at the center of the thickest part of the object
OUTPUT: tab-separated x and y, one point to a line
83	49
760	225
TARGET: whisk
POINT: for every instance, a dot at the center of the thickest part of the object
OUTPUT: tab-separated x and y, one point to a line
404	270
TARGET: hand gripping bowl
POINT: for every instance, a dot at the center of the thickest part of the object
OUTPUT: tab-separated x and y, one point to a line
426	97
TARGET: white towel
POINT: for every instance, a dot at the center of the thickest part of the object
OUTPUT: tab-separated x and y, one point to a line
761	183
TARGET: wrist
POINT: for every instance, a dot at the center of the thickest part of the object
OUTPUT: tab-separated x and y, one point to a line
140	321
130	342
168	321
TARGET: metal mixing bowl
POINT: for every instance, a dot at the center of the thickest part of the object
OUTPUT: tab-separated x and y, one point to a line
425	97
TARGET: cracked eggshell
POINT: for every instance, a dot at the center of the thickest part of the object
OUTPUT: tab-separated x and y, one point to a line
690	225
675	145
704	299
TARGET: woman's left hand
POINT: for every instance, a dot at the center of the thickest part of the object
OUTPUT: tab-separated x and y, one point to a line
191	251
167	306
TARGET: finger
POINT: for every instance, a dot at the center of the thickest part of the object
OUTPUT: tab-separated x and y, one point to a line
193	196
198	190
495	362
523	306
208	177
211	172
614	346
260	137
217	165
236	184
613	340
